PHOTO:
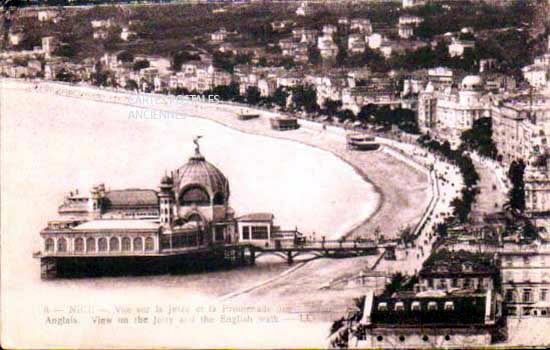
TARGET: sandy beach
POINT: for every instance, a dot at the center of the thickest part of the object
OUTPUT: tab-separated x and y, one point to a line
52	144
384	172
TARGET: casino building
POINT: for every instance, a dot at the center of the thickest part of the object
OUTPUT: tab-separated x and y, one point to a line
188	217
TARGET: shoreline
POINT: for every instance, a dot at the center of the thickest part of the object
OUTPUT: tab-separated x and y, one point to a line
308	134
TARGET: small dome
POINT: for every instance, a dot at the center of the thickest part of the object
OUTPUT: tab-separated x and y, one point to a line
472	82
199	182
166	180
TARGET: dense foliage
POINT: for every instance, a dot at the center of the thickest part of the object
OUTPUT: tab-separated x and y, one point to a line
339	330
304	98
462	205
480	138
517	192
404	119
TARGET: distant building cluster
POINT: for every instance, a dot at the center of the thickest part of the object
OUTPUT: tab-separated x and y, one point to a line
464	294
520	119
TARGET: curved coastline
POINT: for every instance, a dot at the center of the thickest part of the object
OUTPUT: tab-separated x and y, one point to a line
260	128
355	168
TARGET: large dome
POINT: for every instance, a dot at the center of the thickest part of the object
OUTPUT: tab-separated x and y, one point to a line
199	182
472	82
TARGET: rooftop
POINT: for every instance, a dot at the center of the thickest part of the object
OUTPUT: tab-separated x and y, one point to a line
117	225
423	311
257	217
447	263
131	197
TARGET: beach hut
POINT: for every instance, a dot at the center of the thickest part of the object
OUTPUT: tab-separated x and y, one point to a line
247	115
283	123
359	141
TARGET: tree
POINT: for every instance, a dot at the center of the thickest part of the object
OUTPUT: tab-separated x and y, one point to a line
367	111
341	328
280	97
100	78
223	60
406	120
517	192
253	95
375	61
331	107
346	114
125	56
406	235
441	230
7	14
259	33
132	85
480	138
227	92
263	62
441	52
395	285
341	56
288	63
314	55
180	58
305	97
141	64
65	51
65	75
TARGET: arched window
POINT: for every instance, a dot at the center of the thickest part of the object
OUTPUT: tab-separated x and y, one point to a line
194	195
113	244
149	244
219	199
79	244
138	243
125	244
62	245
90	245
102	244
49	245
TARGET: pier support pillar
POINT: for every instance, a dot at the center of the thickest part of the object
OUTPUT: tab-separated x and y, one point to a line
289	258
48	268
241	256
252	256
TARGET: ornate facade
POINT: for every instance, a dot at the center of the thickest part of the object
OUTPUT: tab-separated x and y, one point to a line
189	212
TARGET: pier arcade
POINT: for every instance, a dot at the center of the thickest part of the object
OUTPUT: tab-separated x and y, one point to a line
186	222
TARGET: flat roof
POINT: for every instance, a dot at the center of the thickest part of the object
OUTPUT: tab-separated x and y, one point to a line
256	217
118	225
132	197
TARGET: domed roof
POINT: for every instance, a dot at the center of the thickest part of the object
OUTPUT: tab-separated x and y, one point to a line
166	180
198	172
471	81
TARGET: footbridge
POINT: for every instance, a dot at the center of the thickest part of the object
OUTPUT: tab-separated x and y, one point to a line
289	250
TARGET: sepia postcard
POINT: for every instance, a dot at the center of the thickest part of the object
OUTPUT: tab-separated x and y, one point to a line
258	174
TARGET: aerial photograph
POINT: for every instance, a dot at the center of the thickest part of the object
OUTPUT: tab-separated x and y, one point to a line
286	174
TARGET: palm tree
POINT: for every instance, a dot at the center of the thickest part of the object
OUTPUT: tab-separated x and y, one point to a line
346	325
